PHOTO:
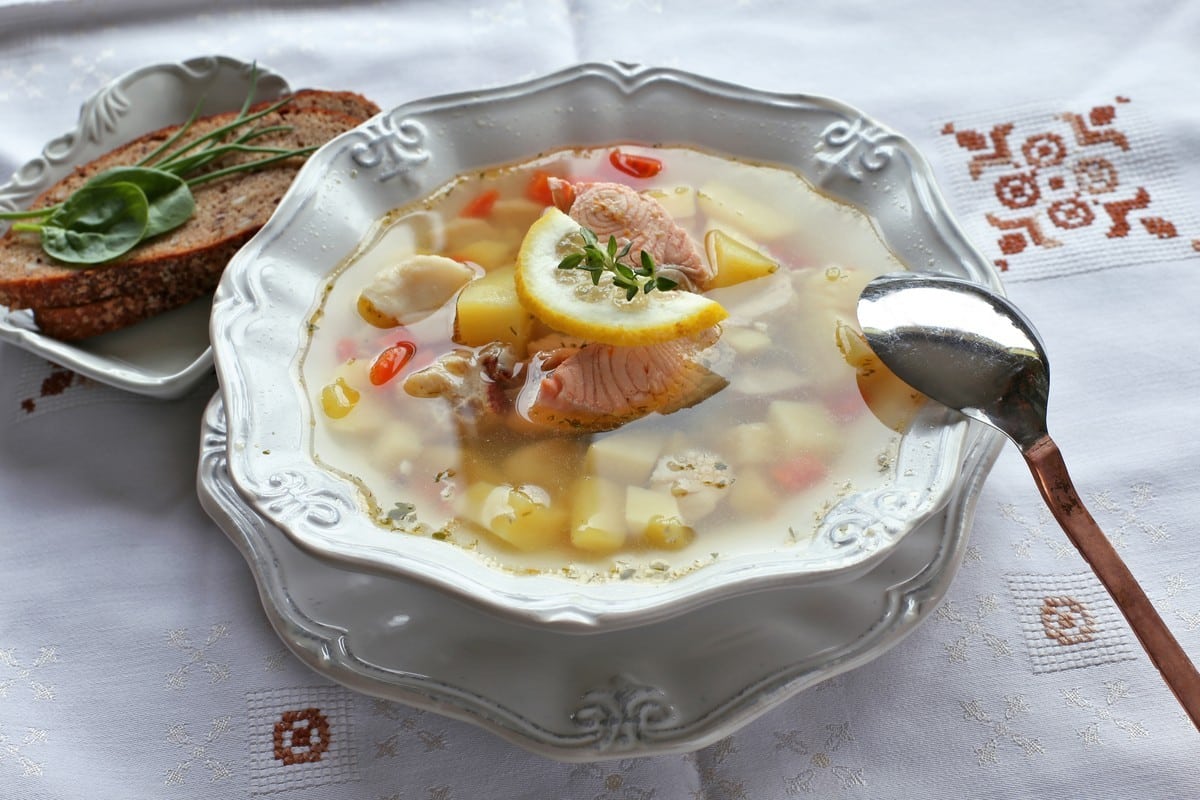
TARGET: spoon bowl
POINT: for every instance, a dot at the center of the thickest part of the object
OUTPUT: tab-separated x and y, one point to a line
970	349
961	345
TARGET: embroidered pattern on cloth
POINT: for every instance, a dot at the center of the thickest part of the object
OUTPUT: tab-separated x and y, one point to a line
198	752
1001	729
1123	521
17	677
828	769
1059	190
611	780
975	626
300	739
198	656
1105	714
409	719
1069	621
1177	584
711	764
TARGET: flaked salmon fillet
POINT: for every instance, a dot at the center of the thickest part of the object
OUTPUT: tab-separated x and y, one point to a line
614	209
584	389
601	387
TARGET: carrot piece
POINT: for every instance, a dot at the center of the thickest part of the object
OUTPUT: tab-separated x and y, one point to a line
538	188
637	166
798	473
388	364
481	204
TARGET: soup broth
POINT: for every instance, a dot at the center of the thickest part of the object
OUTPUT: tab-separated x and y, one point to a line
796	415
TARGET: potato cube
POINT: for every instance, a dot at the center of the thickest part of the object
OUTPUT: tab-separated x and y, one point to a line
522	516
550	463
751	443
815	337
491	254
643	505
680	202
803	427
891	400
627	456
734	261
393	443
475	467
489	311
854	348
746	341
597	515
461	231
831	287
753	300
655	517
516	213
753	494
436	460
735	208
669	533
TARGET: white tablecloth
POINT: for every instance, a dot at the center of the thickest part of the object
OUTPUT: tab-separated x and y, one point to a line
135	657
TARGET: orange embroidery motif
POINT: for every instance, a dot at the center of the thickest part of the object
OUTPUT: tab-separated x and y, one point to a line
1100	116
1063	172
1067	621
1013	243
301	737
973	140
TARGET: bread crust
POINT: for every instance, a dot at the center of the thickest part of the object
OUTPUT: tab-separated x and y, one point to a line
183	264
187	280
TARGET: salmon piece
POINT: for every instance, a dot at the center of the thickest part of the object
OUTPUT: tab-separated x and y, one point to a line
614	209
601	387
577	388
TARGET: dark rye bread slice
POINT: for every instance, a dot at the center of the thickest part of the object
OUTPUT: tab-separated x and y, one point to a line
184	280
183	264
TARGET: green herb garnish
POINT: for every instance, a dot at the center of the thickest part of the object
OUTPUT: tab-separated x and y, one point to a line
123	206
634	278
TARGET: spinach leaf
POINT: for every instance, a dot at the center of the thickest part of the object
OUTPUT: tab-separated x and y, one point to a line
97	223
171	201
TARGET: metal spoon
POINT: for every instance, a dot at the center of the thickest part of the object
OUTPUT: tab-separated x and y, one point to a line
970	349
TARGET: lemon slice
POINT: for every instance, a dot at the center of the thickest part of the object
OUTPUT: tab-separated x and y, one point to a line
566	300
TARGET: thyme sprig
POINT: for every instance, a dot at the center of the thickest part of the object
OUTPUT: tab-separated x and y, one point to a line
121	207
640	277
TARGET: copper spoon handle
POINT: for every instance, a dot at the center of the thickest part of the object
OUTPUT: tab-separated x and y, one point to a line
1050	472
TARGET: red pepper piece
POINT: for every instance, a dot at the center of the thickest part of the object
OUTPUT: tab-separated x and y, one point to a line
388	364
637	166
